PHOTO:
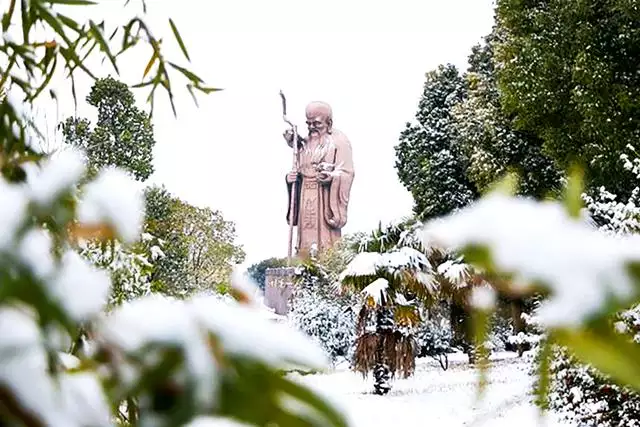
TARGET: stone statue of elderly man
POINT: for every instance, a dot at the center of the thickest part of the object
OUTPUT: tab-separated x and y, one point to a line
323	182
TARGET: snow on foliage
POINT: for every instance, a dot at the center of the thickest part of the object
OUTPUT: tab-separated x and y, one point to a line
112	198
89	286
455	271
369	263
130	267
540	242
57	174
584	396
322	314
483	297
55	288
377	291
580	392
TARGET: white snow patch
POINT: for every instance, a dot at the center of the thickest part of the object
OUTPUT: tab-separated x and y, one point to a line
243	330
84	400
483	297
35	252
439	398
369	263
24	364
363	264
540	242
157	320
68	361
456	272
113	198
13	202
58	174
377	290
81	288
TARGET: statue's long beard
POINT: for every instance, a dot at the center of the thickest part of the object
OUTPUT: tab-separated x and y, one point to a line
320	144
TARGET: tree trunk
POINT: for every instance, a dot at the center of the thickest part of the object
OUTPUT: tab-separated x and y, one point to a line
517	308
381	371
462	329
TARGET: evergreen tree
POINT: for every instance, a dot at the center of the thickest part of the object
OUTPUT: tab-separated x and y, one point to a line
199	244
171	271
569	73
258	270
429	159
490	141
123	135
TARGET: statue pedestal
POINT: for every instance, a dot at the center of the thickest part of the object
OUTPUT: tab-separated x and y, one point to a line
278	288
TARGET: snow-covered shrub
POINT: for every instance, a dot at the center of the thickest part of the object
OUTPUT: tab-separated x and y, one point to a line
130	266
320	312
586	397
433	339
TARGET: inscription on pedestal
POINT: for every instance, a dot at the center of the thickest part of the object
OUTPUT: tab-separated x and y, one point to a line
278	288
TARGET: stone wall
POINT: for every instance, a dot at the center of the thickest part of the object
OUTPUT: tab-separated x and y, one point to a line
278	288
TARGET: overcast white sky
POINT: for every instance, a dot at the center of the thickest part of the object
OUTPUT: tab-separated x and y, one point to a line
367	59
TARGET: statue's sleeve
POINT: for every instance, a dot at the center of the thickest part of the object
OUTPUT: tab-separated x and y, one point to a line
340	187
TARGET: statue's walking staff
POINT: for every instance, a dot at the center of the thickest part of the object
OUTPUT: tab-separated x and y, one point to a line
292	199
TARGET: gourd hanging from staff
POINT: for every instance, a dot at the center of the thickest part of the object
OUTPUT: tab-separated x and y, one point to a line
319	183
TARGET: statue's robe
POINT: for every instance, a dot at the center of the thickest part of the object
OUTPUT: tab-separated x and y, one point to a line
320	210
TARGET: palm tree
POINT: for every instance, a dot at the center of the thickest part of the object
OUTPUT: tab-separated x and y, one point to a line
392	279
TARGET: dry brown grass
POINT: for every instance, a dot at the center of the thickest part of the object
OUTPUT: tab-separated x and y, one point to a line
393	349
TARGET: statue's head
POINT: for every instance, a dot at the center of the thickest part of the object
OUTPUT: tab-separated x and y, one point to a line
319	118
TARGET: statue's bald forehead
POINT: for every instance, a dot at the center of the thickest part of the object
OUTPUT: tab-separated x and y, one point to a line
319	108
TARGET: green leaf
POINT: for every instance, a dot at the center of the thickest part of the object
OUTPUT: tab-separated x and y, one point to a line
69	23
188	74
26	21
46	81
193	94
104	46
508	185
53	21
208	90
153	59
6	18
573	192
610	353
71	58
176	33
542	388
73	2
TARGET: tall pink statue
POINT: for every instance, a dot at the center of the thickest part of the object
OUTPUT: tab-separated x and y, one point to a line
322	182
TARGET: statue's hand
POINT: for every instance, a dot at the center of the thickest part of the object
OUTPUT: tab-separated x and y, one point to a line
324	177
288	136
292	177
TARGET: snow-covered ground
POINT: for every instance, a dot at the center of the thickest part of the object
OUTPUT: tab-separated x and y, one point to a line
433	397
